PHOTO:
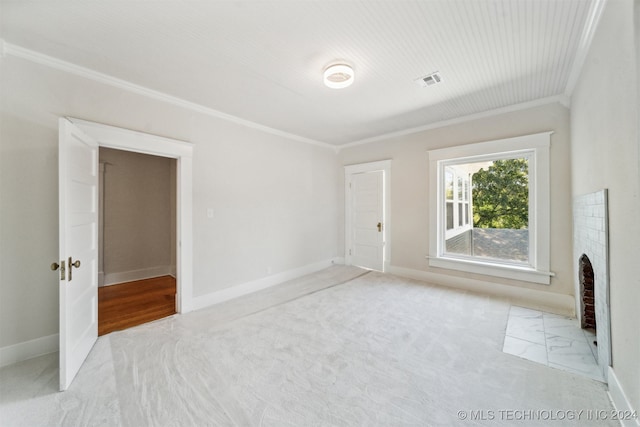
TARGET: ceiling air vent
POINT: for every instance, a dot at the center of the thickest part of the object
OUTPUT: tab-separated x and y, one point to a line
429	80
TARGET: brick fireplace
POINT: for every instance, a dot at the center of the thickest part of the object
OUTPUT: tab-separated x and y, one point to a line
587	280
591	254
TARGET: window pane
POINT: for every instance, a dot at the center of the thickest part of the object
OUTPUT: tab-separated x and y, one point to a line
448	185
499	212
466	214
466	190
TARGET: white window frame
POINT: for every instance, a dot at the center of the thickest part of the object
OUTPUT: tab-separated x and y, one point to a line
536	148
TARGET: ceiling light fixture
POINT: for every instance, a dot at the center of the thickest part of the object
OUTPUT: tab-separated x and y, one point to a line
338	76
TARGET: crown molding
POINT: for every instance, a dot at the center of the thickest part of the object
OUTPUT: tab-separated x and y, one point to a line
595	13
558	99
58	64
7	49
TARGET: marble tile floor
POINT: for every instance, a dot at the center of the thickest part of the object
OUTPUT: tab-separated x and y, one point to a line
552	340
335	348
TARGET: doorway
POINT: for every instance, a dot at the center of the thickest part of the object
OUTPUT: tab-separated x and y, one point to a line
79	141
367	215
139	142
136	239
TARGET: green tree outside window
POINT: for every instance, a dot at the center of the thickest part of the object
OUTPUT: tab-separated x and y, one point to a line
501	195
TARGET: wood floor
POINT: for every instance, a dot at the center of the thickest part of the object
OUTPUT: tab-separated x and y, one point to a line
134	303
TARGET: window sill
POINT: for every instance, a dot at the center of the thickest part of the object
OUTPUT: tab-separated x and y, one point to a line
526	274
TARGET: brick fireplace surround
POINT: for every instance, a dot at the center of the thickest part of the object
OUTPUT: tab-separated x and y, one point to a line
591	255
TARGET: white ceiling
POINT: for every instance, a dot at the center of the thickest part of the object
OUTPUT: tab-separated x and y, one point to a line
262	61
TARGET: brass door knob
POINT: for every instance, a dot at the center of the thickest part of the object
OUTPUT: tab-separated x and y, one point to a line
73	264
55	266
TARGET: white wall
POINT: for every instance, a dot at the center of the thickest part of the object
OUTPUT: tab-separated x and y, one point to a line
139	216
274	199
604	154
409	187
273	202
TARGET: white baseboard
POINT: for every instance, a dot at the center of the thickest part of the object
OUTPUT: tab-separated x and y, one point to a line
620	401
531	298
28	349
129	276
260	284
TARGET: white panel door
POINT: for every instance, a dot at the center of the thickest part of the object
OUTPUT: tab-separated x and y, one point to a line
78	210
367	220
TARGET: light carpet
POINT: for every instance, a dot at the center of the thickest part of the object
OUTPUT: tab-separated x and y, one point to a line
344	349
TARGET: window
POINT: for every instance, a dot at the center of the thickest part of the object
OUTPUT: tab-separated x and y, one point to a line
457	202
448	191
490	208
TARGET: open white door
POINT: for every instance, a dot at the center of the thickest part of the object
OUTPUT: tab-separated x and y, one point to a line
367	220
78	207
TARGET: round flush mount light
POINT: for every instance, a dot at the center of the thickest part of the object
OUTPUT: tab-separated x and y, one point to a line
338	76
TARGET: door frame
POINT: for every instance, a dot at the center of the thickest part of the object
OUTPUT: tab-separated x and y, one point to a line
349	171
140	142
